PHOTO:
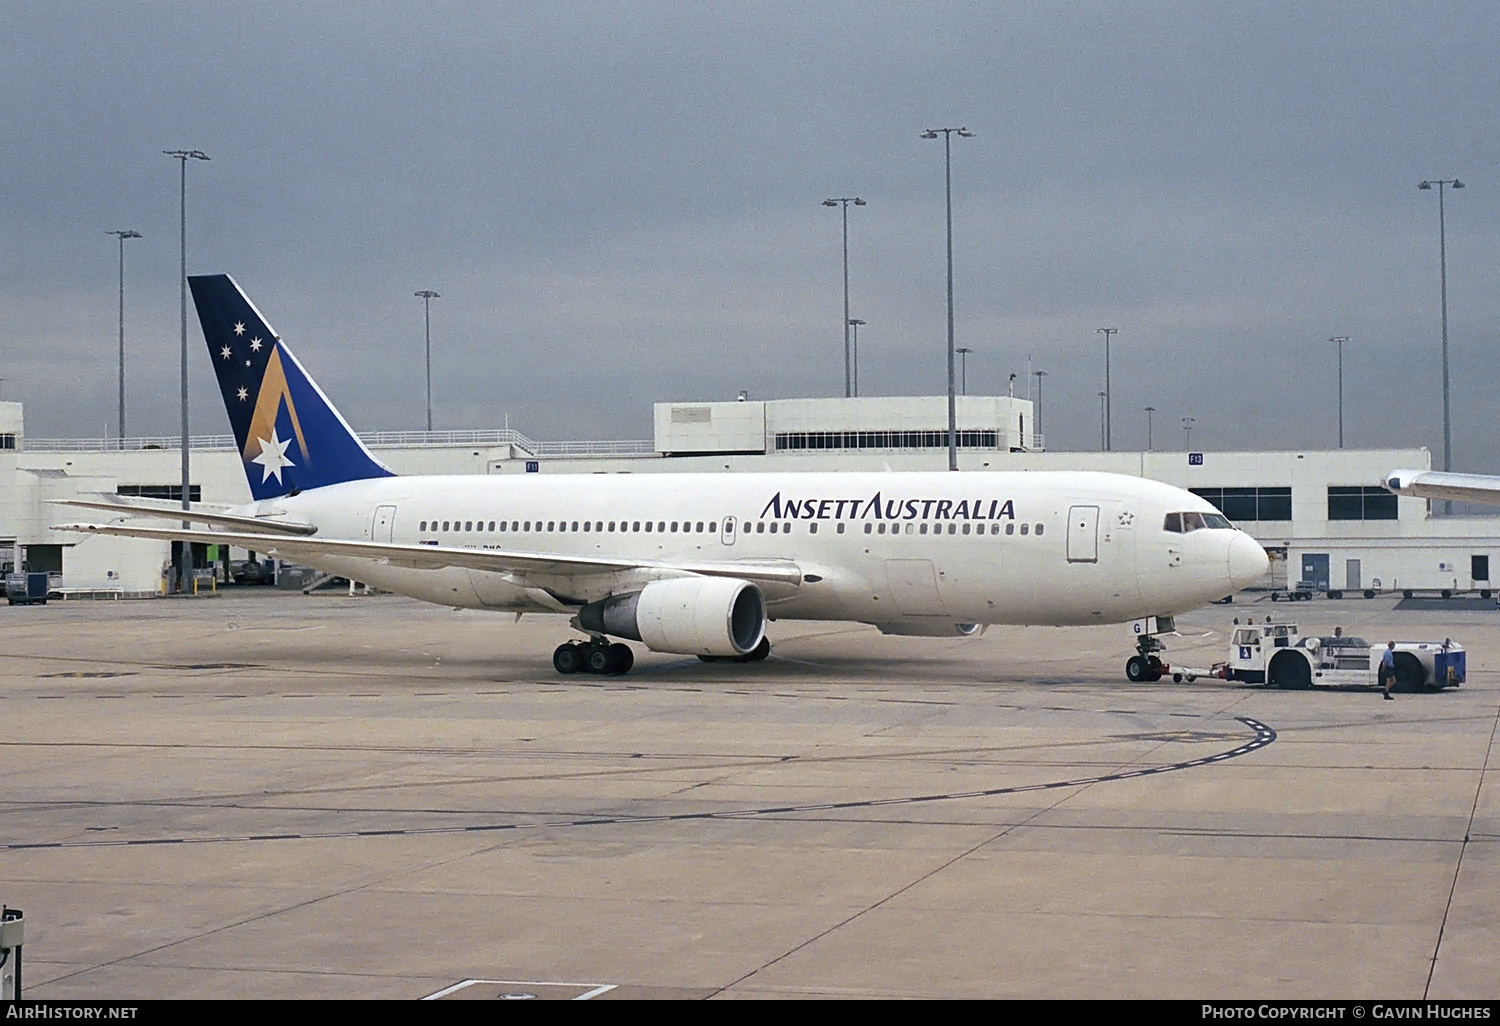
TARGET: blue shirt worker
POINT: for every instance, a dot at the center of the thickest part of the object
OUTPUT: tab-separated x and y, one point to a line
1388	669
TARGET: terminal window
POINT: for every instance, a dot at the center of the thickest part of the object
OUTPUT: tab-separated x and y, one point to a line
1246	504
796	440
1360	502
7	440
171	492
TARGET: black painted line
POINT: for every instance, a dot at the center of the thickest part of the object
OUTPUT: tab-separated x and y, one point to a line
1264	736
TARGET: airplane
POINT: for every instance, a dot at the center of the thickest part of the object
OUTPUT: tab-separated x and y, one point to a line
693	564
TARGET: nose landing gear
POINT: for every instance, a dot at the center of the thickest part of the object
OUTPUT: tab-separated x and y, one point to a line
1146	666
594	656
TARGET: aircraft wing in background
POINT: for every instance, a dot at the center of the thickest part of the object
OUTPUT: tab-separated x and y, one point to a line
1434	484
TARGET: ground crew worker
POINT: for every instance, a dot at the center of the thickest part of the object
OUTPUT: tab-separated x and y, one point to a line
1388	669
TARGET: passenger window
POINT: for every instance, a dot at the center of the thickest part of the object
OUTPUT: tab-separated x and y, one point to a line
923	529
551	525
422	526
661	525
586	525
760	527
1039	528
1025	528
882	527
1010	528
774	526
515	525
598	525
445	525
967	529
648	527
953	528
635	525
910	529
812	528
575	525
870	527
1173	523
700	527
840	529
713	527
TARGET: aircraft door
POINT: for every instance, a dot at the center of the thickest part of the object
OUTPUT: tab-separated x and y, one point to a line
1083	534
726	533
383	524
914	587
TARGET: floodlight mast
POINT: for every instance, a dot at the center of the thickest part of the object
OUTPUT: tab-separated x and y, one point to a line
185	561
948	133
1443	287
123	235
844	201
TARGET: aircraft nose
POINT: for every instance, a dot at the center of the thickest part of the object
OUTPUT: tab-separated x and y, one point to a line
1248	562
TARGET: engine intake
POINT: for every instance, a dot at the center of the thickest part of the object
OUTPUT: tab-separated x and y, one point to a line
687	615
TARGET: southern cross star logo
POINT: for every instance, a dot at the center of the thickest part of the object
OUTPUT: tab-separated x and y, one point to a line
272	456
239	328
243	394
255	345
224	353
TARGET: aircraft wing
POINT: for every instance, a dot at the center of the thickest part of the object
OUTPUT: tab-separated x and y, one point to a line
437	557
1434	484
198	514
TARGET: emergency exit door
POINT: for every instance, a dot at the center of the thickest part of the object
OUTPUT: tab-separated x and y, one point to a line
384	523
1083	534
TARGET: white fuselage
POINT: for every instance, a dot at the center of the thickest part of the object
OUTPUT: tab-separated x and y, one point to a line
898	549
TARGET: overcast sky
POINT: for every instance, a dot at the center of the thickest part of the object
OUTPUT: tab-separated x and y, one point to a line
621	205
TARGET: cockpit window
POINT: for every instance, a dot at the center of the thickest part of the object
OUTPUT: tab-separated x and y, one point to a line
1182	523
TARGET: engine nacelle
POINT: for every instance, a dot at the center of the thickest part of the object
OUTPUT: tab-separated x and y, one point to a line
687	615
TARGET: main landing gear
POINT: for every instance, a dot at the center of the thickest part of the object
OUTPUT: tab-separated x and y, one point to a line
1146	665
596	656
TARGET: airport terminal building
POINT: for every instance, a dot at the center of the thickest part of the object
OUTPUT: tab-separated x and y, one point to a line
1322	514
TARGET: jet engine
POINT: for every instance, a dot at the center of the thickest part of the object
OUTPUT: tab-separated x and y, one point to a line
715	616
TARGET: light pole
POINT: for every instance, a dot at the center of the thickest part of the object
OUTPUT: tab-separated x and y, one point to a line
1443	286
963	374
427	296
185	560
844	201
855	322
1108	412
1103	396
123	235
1341	339
964	133
1036	415
1149	411
1187	429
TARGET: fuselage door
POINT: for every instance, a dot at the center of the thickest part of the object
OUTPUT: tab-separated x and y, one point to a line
914	587
1083	534
726	533
384	523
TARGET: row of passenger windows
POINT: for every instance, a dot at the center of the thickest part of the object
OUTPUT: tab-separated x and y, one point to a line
703	527
499	527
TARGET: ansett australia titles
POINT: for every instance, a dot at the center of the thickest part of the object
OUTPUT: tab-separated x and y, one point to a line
877	507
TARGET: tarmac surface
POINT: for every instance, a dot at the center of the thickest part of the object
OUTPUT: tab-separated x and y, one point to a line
272	795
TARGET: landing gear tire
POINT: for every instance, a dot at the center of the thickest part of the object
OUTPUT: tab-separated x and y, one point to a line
756	654
1137	670
597	660
567	659
621	659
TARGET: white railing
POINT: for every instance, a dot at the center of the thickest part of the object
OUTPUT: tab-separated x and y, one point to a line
375	440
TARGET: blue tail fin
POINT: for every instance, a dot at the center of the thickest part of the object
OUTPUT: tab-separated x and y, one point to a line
289	435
